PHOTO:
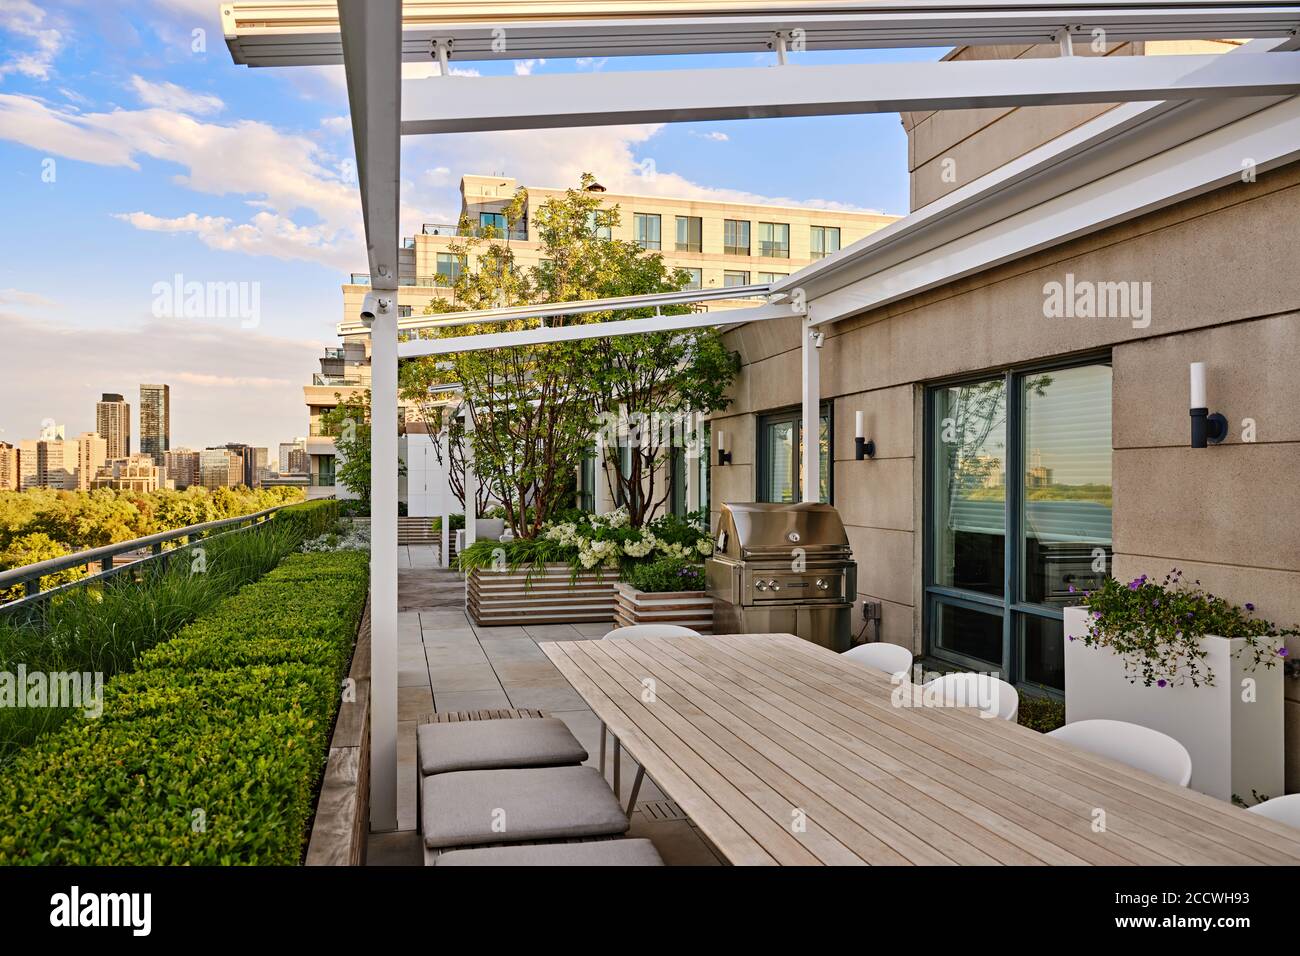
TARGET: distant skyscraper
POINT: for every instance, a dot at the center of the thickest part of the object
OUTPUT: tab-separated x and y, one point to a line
113	422
181	467
8	467
155	420
220	468
92	453
287	448
251	476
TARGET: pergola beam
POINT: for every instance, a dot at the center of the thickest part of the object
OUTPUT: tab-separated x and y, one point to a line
474	104
284	34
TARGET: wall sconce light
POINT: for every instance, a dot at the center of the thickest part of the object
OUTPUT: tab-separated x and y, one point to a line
863	447
724	456
1206	427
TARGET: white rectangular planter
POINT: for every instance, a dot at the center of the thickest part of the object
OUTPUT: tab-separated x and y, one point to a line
1236	745
693	609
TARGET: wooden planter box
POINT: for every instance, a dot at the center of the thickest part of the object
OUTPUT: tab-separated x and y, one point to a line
693	609
1236	745
552	596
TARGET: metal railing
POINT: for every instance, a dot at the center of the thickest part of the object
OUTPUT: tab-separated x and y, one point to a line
320	378
519	232
29	575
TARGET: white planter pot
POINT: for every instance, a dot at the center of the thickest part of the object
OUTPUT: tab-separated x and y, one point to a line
1236	745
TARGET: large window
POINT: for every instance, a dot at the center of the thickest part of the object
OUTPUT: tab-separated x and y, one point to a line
690	233
772	276
732	278
735	237
780	456
450	267
824	240
646	228
696	279
1018	515
774	240
598	221
493	225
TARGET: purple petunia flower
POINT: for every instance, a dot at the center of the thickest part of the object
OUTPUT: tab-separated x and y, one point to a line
1097	614
1161	682
1282	652
1071	588
1249	606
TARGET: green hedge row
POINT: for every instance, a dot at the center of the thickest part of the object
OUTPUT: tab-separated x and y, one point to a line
210	752
311	518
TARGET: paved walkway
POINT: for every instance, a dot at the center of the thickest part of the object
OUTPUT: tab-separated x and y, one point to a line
446	663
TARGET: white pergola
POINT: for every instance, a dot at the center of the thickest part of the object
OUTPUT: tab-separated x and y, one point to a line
1188	124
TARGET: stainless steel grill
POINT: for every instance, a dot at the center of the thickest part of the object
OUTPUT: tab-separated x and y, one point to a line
783	568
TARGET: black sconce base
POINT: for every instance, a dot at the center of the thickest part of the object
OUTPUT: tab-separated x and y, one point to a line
865	448
724	458
1207	429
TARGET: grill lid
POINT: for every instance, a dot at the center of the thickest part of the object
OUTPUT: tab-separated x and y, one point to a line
759	529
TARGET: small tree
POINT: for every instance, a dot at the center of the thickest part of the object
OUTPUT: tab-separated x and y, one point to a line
349	423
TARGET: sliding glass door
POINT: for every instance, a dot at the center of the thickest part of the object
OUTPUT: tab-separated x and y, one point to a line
1018	506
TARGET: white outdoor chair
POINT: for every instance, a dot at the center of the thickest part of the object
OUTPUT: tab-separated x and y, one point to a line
965	689
634	632
1282	809
881	656
1140	747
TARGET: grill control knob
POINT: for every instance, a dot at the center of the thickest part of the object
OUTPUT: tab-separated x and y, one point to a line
823	584
774	586
761	585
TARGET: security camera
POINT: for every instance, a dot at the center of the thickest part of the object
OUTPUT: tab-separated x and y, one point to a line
374	304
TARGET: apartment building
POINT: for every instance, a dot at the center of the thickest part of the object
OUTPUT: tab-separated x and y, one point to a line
293	458
92	453
8	467
181	467
220	468
155	420
113	423
720	244
137	473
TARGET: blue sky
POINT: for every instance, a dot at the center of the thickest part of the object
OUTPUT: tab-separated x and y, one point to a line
129	157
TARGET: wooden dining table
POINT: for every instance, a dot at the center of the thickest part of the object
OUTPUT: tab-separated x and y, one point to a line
782	752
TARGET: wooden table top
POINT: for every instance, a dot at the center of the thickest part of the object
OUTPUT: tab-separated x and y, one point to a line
783	753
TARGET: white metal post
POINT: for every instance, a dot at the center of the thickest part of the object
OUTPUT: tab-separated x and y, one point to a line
471	482
693	429
445	496
811	412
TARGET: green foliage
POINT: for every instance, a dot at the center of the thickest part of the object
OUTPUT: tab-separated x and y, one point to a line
1156	629
211	752
310	519
103	627
30	549
666	574
78	520
1043	714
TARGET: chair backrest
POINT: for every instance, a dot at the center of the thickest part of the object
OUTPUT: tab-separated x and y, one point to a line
649	630
881	656
969	689
1282	809
1158	754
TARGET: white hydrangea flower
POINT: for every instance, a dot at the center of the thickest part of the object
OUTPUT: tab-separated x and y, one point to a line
704	546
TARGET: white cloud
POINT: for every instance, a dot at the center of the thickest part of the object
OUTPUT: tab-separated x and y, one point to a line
526	67
20	298
283	173
716	136
29	22
169	96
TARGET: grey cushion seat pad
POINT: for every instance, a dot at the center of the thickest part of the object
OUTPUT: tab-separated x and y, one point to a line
496	745
603	853
516	806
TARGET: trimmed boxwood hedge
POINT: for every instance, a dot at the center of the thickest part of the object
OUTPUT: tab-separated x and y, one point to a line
210	752
311	518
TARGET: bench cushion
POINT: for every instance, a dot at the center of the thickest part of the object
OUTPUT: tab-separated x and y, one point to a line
496	745
516	806
602	853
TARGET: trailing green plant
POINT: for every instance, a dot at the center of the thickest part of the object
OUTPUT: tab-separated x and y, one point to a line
666	574
1156	629
211	752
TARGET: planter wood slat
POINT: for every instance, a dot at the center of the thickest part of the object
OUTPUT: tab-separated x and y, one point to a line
551	596
693	609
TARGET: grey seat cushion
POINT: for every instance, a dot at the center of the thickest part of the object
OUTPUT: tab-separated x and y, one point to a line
515	806
602	853
497	745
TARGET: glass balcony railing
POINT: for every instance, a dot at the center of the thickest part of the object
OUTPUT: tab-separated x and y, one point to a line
319	378
519	232
360	278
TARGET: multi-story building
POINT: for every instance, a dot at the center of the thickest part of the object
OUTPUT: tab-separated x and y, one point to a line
720	244
113	423
181	466
251	474
137	473
92	453
8	467
49	461
220	468
155	420
293	457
